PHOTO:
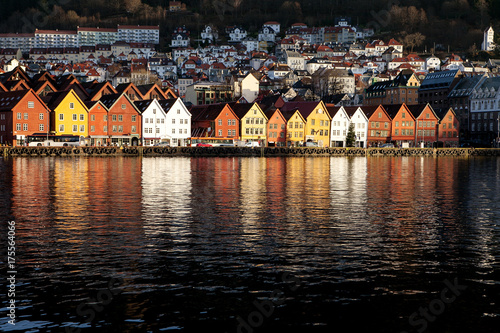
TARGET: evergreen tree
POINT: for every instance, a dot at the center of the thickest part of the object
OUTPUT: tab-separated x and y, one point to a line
350	140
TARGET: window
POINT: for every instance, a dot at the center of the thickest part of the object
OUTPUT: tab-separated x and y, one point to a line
380	114
134	129
135	117
124	106
105	117
40	116
113	117
313	121
173	130
228	132
19	115
25	127
61	128
290	125
74	117
403	115
31	105
120	128
397	123
82	128
157	130
396	132
178	111
92	117
41	127
71	106
25	116
105	128
92	128
114	128
220	122
75	128
120	117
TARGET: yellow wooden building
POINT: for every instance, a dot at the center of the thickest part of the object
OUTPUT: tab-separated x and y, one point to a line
317	121
253	122
69	115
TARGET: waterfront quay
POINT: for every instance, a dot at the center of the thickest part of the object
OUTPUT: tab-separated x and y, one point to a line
240	151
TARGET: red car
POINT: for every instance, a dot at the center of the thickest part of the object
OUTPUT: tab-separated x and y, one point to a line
201	144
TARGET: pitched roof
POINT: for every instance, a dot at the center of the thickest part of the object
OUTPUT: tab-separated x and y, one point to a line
9	99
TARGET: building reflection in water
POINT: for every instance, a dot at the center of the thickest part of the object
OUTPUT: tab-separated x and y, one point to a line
166	191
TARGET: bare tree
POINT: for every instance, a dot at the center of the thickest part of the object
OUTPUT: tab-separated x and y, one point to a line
412	40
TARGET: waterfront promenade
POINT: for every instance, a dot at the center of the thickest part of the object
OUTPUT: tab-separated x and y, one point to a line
241	151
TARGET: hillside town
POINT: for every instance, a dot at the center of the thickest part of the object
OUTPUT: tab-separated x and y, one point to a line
280	86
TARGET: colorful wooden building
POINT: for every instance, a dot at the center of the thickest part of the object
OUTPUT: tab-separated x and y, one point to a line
22	113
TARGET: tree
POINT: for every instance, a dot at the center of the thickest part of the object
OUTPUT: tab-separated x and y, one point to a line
350	139
413	40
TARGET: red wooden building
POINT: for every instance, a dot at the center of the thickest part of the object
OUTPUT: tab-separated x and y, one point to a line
379	125
276	128
124	119
449	128
426	124
22	113
214	120
98	123
403	124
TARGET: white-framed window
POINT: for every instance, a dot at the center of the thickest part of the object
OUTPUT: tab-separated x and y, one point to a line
82	117
25	116
75	128
31	105
71	106
41	127
82	128
61	116
18	127
120	129
25	127
61	128
92	128
40	116
75	117
173	130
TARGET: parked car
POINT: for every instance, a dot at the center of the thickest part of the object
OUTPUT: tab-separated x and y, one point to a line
387	145
201	144
162	144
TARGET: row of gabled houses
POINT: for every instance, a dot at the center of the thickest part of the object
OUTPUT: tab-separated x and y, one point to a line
117	120
276	122
113	119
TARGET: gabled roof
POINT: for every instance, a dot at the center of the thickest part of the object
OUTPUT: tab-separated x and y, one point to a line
99	89
393	109
417	109
241	109
53	100
148	88
144	105
110	100
369	110
16	85
41	85
126	86
208	112
9	99
305	108
333	110
92	104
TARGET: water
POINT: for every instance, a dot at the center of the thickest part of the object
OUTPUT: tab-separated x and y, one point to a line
253	244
